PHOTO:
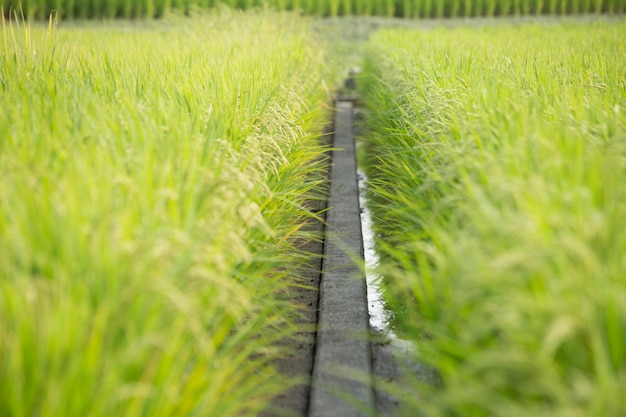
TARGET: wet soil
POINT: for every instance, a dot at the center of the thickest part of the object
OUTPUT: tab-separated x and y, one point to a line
298	363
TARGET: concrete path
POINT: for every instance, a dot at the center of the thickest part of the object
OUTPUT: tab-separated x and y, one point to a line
341	385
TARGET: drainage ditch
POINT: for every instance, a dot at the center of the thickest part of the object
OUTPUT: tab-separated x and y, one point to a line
347	346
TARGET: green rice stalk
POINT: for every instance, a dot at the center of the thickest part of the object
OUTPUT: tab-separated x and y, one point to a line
154	179
454	8
427	8
346	8
440	9
496	163
505	6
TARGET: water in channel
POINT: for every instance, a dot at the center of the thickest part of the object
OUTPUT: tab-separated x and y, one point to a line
380	316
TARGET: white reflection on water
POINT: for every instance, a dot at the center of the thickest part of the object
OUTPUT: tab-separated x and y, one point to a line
380	316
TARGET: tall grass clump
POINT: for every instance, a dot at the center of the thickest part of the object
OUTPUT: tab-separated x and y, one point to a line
497	161
153	184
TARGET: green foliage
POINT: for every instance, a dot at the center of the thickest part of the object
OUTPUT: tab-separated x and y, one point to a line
153	182
497	164
400	8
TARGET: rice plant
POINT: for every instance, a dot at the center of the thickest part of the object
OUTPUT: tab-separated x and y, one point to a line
153	183
497	164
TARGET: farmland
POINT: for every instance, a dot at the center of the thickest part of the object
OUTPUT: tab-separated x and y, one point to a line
496	164
161	181
153	183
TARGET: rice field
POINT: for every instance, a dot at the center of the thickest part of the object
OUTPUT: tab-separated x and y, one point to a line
153	182
497	160
110	9
155	176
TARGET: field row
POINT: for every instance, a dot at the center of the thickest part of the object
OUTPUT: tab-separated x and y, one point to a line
497	161
110	9
152	188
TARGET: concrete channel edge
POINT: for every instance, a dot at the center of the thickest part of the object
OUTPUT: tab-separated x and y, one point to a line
342	370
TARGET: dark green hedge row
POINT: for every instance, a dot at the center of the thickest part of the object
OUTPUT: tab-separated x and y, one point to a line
401	8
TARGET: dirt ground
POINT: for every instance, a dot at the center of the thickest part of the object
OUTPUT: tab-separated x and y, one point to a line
299	364
305	295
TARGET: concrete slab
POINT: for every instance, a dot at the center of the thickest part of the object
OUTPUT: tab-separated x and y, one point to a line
343	366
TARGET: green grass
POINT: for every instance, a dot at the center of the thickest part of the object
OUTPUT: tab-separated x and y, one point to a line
497	162
153	182
400	8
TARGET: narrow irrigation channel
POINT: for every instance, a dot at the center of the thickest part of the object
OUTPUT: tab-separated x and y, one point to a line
345	346
359	359
341	381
